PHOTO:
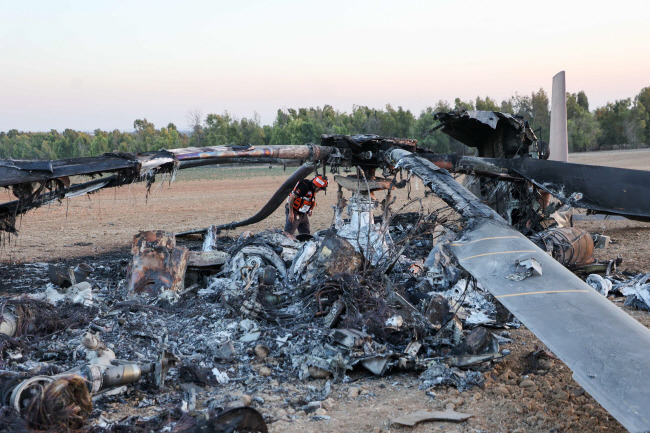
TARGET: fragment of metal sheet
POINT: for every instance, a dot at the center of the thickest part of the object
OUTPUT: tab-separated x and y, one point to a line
207	259
8	323
413	418
158	264
239	419
608	351
469	360
335	255
377	365
493	133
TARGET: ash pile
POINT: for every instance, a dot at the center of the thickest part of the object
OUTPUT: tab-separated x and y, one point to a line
188	333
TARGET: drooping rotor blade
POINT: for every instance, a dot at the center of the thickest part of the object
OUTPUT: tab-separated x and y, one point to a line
9	210
125	168
607	350
611	190
274	202
14	172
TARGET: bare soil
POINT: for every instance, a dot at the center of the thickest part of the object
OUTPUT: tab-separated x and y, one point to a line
106	222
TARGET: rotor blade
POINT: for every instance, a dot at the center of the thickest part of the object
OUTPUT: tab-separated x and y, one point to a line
128	168
611	190
608	351
11	209
194	156
13	171
274	202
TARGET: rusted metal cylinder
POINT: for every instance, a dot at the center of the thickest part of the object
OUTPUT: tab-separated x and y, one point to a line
570	246
158	264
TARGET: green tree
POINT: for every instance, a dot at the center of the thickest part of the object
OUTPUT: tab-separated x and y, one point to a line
540	114
145	133
487	104
582	128
461	105
642	104
621	123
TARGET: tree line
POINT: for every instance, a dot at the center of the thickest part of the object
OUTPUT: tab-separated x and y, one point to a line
623	123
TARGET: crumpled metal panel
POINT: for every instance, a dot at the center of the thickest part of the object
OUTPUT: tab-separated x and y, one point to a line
493	133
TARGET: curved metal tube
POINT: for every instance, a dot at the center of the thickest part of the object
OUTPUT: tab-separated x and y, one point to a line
274	202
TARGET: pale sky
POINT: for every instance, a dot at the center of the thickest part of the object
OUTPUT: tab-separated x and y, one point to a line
102	64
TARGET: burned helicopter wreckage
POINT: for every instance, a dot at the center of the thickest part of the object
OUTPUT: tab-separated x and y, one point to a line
371	304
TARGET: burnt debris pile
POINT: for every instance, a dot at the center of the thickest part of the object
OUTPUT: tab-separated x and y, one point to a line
247	310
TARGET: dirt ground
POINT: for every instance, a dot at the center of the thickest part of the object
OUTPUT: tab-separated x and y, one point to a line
519	394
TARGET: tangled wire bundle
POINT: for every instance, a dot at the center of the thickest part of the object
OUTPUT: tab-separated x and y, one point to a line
62	406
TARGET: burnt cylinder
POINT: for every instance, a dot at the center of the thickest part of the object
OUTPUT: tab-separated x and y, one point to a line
570	246
118	375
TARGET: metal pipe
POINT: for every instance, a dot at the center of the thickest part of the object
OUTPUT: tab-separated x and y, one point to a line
274	202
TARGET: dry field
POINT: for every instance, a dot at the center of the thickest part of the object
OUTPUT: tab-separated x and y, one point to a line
107	221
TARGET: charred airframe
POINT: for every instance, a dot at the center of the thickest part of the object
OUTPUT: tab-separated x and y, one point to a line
607	350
